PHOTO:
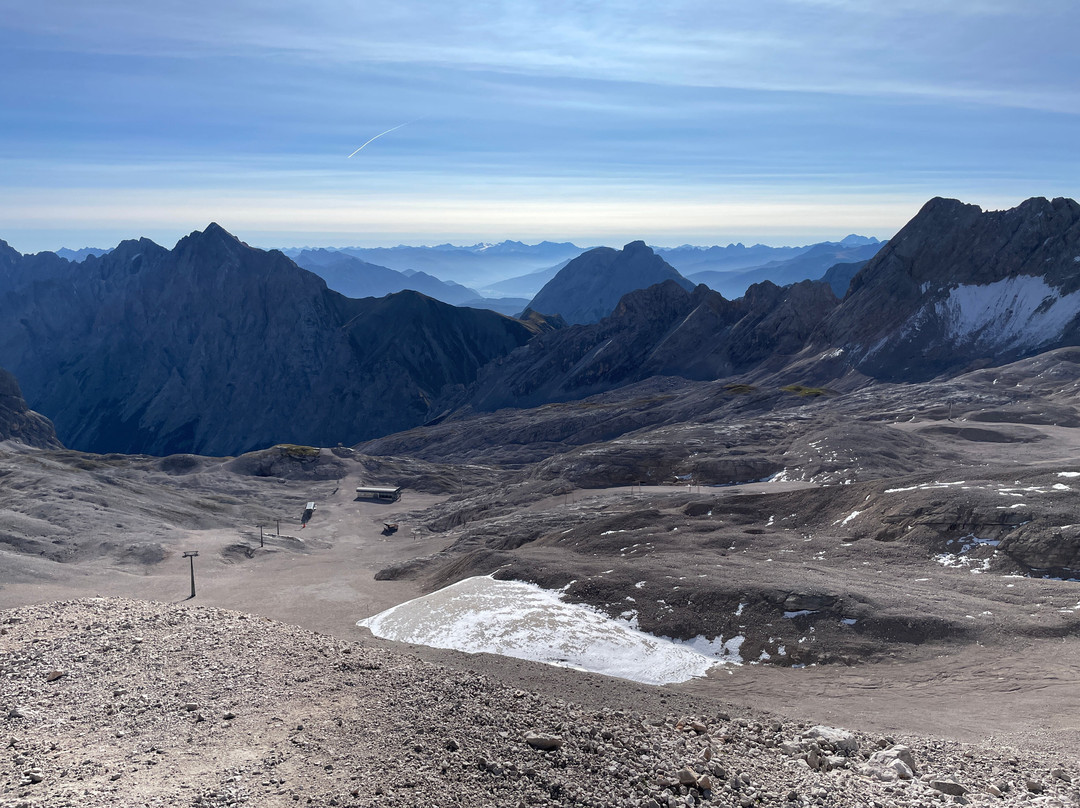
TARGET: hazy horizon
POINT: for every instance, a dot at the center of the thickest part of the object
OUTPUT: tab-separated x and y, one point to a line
266	241
697	122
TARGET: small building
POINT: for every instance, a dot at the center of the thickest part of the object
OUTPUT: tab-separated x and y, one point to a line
379	493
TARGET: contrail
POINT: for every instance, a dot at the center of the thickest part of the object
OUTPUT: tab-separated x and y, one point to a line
387	132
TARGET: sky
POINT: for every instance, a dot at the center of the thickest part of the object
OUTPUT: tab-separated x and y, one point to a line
701	121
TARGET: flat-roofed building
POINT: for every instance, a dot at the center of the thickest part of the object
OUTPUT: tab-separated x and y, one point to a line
380	493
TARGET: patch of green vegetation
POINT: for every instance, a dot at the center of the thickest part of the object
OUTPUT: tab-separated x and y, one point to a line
292	450
804	391
88	464
658	398
740	389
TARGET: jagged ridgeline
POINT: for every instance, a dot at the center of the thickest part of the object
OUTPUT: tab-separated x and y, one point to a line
218	348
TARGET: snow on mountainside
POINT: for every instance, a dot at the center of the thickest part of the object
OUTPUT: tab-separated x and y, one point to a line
1015	313
959	287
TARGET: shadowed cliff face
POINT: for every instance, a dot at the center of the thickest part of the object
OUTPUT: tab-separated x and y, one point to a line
217	348
660	331
18	422
958	287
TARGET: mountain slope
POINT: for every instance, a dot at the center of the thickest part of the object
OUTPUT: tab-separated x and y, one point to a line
18	422
588	288
689	259
957	287
474	266
663	330
354	277
809	265
215	347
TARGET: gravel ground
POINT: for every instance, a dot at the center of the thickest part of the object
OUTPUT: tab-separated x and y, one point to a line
116	702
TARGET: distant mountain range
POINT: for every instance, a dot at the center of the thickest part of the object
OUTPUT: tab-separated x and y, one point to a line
354	277
483	275
81	254
475	266
810	263
216	347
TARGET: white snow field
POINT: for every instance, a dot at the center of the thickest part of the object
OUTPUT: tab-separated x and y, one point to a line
1018	312
523	620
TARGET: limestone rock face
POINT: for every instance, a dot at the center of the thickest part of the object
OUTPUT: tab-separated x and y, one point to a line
590	287
18	422
663	330
214	347
958	287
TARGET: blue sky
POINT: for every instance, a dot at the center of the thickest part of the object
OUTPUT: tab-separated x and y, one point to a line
783	121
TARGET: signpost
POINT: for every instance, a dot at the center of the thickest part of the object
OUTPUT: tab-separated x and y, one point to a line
191	555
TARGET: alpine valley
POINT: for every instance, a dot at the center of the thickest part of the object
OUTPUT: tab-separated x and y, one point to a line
791	526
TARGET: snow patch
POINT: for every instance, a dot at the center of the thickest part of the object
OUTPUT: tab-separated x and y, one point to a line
522	620
1017	312
847	518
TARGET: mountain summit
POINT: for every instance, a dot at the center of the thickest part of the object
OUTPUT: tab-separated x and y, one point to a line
215	347
589	288
959	286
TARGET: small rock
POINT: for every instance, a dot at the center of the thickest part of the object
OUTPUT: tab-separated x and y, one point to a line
890	764
992	789
1060	774
1034	786
950	787
52	676
704	782
34	775
839	739
191	706
687	777
229	716
543	741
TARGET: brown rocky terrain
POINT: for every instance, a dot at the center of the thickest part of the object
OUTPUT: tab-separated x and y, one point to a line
896	560
896	552
113	702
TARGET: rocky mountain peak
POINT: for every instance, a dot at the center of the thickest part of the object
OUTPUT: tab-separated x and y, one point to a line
589	287
959	285
8	254
214	238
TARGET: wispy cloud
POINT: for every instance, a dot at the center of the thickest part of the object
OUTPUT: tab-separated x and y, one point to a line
561	102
